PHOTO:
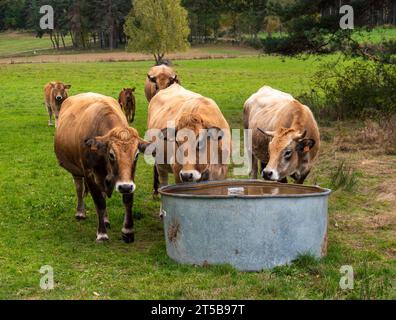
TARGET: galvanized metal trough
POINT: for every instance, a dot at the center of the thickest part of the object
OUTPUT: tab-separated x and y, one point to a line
251	225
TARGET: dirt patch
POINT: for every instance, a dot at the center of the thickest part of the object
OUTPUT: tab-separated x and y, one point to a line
382	220
387	192
204	52
376	167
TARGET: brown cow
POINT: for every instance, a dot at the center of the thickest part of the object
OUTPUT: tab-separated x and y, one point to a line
285	136
54	95
159	78
127	101
190	113
95	144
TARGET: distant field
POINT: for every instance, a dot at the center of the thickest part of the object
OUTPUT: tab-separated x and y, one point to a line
374	36
377	35
16	43
37	200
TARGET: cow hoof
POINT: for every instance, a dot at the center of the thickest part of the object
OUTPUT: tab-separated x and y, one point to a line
81	216
102	237
128	236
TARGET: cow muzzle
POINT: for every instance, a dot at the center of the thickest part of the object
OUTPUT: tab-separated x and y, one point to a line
59	98
189	175
125	187
271	175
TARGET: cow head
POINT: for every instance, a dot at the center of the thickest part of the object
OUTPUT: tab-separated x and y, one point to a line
113	158
59	91
287	149
128	94
197	146
162	77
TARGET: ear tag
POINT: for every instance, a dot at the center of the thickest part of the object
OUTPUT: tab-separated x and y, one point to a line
306	149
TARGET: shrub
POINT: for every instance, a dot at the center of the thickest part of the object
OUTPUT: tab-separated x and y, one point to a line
356	90
344	177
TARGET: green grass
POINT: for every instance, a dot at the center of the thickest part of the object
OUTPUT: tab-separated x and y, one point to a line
374	36
21	43
37	200
377	35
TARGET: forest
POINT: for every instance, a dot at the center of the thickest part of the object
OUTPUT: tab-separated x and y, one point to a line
96	23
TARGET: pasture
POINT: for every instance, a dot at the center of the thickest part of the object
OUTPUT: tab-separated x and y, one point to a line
37	197
24	43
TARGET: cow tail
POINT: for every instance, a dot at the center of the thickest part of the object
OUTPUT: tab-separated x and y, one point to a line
156	180
86	190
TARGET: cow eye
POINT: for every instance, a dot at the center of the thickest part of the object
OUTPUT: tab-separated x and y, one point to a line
288	154
112	155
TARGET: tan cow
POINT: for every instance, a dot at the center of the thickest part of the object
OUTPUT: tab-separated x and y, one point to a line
95	144
207	131
285	136
54	95
159	78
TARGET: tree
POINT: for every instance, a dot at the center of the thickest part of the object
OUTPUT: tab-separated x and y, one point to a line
157	27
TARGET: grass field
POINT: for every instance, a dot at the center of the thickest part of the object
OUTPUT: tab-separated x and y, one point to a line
37	201
374	36
18	43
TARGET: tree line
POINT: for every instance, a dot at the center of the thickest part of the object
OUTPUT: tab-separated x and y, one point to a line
100	23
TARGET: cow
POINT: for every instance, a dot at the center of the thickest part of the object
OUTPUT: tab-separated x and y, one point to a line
285	137
159	78
176	112
54	94
96	146
127	101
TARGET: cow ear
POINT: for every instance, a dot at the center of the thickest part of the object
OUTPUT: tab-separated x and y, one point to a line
93	153
94	145
269	134
146	146
305	145
152	79
67	86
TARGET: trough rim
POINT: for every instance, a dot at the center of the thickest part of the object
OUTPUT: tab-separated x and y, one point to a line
163	191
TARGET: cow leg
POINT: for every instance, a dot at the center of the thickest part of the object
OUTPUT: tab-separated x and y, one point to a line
50	114
163	176
100	204
128	233
133	115
156	181
254	168
79	183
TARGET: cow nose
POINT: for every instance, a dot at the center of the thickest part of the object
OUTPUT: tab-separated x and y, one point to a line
186	177
59	98
126	188
267	174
